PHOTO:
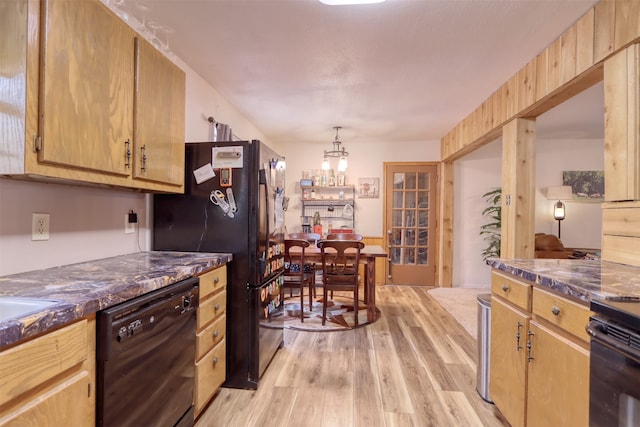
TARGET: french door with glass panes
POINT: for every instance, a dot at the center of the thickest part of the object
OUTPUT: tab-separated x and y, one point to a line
410	221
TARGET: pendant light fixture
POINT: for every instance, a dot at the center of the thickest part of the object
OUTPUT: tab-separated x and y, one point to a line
337	151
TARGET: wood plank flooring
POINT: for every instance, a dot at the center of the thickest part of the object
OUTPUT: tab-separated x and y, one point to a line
416	366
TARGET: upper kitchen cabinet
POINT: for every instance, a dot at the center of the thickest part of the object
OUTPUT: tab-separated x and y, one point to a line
86	87
159	117
83	98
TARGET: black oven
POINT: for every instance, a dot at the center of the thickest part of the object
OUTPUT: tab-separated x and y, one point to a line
614	397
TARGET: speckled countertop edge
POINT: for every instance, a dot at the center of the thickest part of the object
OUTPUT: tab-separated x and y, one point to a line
582	279
87	287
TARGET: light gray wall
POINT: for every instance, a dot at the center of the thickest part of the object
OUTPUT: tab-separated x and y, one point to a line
478	172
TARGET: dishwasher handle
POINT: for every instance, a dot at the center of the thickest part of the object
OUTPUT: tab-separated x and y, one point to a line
597	331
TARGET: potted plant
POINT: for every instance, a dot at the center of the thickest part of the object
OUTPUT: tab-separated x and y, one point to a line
491	230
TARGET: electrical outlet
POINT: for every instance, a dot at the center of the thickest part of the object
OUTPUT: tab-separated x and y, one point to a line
129	227
40	226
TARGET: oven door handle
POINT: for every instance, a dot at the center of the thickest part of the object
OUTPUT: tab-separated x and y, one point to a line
596	330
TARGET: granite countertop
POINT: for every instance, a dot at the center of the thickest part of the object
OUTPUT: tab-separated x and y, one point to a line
582	279
87	287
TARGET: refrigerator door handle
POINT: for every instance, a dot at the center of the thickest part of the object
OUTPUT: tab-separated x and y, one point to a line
262	181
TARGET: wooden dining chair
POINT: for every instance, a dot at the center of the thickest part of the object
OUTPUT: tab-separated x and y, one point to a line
340	260
309	237
294	275
344	236
310	268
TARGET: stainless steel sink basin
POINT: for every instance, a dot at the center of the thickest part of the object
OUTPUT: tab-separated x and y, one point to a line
16	307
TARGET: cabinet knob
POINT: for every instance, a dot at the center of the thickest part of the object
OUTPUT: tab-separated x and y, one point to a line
216	307
505	288
215	361
215	334
555	310
216	280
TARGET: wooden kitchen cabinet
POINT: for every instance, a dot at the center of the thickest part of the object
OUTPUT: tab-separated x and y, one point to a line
50	380
210	337
100	105
159	117
508	382
558	389
539	355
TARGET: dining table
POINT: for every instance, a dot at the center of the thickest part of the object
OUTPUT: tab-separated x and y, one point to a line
368	256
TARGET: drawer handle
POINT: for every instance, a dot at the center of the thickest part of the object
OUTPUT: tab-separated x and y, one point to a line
505	288
555	310
215	360
216	280
216	307
215	334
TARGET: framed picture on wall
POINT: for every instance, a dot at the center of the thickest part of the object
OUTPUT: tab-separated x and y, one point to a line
586	186
369	188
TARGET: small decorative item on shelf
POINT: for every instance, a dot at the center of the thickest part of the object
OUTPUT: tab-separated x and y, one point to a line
341	180
306	182
317	226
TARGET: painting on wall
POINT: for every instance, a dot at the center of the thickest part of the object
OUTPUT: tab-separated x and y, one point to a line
586	186
369	188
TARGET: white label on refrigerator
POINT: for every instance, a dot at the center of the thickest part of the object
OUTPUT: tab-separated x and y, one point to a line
204	173
227	157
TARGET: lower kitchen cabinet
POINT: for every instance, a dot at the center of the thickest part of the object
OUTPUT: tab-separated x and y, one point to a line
210	337
558	389
508	382
50	380
539	355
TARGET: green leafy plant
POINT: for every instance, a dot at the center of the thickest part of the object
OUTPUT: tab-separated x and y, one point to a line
491	230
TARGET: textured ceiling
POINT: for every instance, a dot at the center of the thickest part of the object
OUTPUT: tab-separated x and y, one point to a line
403	70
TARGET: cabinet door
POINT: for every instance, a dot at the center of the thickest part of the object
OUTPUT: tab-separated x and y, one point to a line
508	378
159	117
86	98
558	383
66	404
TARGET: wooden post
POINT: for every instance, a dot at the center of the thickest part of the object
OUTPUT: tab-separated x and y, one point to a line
518	184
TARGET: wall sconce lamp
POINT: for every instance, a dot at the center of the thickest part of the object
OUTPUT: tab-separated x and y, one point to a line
559	193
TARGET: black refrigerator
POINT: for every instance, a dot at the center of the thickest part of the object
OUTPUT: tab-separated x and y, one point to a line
234	203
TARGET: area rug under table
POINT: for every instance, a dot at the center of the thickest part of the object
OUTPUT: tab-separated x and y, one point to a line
340	314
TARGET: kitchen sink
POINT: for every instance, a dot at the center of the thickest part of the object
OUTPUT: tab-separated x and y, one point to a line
16	307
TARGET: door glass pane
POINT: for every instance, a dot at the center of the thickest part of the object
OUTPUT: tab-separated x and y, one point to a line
398	180
410	256
410	199
411	181
423	199
395	255
423	237
409	238
423	181
396	237
411	219
423	218
398	199
397	219
422	255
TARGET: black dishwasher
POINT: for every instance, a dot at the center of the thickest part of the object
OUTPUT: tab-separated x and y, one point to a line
145	354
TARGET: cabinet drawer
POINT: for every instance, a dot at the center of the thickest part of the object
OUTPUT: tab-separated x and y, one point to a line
511	289
212	281
566	314
210	374
28	365
210	336
211	308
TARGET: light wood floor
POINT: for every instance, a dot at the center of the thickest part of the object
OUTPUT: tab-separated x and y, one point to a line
416	366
